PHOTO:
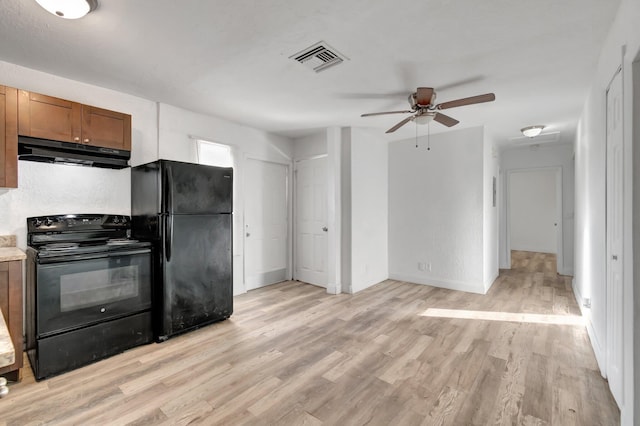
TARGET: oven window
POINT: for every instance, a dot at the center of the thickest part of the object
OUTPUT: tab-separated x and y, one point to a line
91	288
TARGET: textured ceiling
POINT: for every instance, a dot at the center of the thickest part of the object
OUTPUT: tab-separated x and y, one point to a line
231	58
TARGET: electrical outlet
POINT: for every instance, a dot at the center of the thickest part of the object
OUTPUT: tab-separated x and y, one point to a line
422	266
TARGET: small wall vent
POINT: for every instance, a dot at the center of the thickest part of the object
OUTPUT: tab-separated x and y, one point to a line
319	57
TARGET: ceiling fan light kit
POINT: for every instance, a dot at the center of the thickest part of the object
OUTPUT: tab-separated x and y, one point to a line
68	9
532	131
423	119
425	110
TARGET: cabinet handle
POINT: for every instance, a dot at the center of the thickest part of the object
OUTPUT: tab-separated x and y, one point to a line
77	139
86	140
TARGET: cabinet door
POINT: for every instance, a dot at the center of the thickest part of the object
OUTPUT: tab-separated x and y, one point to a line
109	129
11	307
8	137
46	117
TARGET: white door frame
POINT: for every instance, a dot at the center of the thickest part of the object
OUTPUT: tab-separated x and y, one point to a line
287	164
559	213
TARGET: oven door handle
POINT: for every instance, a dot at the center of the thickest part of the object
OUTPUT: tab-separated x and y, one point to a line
168	236
91	256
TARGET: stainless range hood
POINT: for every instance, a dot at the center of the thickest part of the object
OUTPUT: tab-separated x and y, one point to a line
48	151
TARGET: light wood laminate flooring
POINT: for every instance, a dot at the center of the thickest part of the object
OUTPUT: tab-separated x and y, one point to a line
394	354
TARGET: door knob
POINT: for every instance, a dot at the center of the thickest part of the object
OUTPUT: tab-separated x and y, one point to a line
248	234
614	257
325	229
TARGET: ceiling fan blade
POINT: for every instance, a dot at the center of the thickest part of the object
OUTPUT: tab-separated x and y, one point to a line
488	97
445	119
424	95
400	124
386	112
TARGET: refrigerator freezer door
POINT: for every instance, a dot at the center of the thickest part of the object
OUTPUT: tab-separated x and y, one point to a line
198	281
196	189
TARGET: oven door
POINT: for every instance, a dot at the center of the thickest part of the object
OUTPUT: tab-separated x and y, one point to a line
79	290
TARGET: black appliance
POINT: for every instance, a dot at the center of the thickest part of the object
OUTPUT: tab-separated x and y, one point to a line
186	211
49	151
88	292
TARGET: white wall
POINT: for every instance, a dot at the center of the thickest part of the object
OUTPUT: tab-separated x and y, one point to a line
491	212
310	146
364	209
178	129
621	47
539	157
532	209
369	209
436	210
58	189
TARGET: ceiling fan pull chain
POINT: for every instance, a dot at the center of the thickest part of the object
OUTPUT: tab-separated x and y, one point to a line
416	134
428	137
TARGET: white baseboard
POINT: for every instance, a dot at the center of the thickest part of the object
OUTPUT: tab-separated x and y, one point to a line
489	283
477	288
565	271
598	349
551	250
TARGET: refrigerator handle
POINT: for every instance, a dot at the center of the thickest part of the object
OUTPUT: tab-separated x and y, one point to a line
168	236
168	190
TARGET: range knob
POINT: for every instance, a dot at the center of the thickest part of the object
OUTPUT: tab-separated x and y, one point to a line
37	223
115	219
48	222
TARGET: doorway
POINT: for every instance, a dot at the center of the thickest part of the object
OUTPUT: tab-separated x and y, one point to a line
534	212
266	223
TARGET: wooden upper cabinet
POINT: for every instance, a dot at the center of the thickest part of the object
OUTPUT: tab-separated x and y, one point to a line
8	137
46	117
110	129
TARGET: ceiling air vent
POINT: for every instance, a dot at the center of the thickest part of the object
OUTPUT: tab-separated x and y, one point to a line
319	57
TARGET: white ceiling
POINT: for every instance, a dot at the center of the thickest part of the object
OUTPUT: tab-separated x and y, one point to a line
231	58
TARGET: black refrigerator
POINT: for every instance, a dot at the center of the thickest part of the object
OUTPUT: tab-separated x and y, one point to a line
185	210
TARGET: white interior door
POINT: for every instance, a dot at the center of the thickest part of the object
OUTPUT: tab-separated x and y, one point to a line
615	260
266	223
311	221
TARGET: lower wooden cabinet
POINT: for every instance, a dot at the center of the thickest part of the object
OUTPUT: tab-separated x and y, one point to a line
11	307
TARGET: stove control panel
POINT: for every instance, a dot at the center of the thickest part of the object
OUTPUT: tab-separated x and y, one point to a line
77	222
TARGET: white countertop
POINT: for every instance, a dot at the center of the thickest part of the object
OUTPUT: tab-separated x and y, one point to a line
8	254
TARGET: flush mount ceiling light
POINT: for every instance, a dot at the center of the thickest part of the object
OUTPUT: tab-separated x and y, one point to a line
69	9
531	131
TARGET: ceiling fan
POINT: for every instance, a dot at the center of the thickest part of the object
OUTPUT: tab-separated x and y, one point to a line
424	108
